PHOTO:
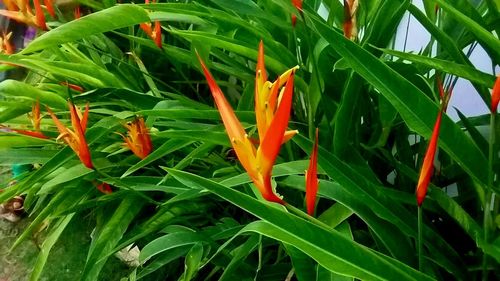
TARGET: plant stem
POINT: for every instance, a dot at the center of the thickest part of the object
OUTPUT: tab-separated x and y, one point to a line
488	194
419	240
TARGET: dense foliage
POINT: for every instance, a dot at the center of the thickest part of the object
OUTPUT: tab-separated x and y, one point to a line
124	136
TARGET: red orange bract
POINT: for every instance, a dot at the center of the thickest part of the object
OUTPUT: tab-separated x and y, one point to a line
495	95
138	139
75	138
312	178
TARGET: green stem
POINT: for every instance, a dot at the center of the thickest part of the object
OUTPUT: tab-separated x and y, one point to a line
419	240
488	195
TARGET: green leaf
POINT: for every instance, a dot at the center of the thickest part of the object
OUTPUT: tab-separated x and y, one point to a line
486	38
464	71
193	260
168	242
165	149
102	21
327	247
47	245
13	88
108	237
417	110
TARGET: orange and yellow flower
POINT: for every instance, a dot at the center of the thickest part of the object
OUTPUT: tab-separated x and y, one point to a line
350	28
153	33
35	118
273	113
428	162
6	46
75	138
20	11
312	178
138	139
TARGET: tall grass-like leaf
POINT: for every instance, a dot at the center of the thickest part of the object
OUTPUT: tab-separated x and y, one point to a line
327	247
106	20
417	110
109	236
47	246
485	38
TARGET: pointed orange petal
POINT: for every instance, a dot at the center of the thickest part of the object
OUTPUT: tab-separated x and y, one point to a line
233	126
428	163
347	20
312	178
147	145
495	95
40	16
85	118
104	188
261	91
35	115
77	12
271	144
50	8
34	134
60	127
17	16
243	147
157	35
83	149
289	135
146	27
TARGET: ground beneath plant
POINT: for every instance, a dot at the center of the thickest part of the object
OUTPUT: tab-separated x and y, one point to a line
65	262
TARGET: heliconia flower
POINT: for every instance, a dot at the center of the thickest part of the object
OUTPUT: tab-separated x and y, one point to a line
312	178
138	139
6	47
35	116
153	33
75	138
104	188
298	5
77	13
428	162
50	7
495	95
20	11
72	86
350	28
268	95
257	162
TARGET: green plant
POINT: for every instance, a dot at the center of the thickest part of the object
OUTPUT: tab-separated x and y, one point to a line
188	204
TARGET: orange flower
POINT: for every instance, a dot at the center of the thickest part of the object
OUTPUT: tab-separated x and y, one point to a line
35	116
75	139
138	139
312	178
267	96
257	162
104	188
350	29
77	13
50	7
72	86
298	5
495	95
154	34
428	162
20	11
6	46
